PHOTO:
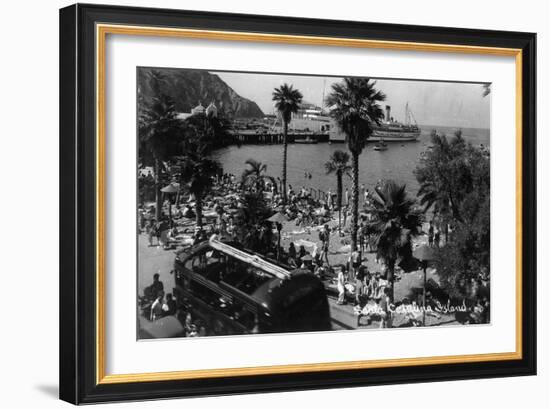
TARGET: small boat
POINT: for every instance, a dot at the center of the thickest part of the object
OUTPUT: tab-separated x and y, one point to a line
381	146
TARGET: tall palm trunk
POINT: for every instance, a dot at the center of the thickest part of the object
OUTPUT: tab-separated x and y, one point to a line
339	198
285	146
390	265
354	198
198	209
158	193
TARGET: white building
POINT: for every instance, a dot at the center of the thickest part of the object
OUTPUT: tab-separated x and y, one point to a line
199	109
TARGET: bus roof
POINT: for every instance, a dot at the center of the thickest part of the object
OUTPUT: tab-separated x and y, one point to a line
252	259
271	294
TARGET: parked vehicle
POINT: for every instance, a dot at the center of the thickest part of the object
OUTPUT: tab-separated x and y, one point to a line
234	291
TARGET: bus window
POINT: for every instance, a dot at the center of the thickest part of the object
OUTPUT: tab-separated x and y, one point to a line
208	263
215	265
244	277
205	294
255	279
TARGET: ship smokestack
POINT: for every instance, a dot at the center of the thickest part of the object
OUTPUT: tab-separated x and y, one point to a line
388	113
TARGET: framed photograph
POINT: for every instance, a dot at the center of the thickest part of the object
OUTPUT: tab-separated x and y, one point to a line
257	203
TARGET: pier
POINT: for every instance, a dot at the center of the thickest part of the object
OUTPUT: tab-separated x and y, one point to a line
252	137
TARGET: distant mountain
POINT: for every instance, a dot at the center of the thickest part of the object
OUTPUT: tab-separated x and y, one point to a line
189	87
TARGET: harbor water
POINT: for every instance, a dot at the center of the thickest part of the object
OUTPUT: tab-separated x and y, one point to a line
397	162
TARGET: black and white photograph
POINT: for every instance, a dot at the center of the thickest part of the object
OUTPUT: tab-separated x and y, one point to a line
276	203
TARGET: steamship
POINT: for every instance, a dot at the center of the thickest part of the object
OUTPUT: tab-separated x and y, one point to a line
389	129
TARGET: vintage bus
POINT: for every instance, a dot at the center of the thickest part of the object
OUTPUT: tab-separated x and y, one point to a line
234	291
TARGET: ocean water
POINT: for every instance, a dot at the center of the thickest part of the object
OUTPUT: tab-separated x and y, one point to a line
397	163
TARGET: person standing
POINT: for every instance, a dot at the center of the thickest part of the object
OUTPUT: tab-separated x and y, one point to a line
341	285
302	252
368	284
377	289
292	252
231	228
355	260
385	309
158	232
151	231
437	236
359	284
431	234
324	235
366	238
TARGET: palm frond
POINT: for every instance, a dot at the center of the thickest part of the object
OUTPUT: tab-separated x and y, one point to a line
287	100
354	107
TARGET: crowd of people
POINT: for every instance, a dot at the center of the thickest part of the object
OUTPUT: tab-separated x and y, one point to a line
155	305
352	281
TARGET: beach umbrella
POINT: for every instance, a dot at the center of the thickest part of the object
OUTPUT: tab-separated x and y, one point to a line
170	189
425	254
278	218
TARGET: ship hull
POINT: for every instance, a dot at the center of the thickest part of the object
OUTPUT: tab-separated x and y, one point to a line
305	142
388	132
394	136
402	137
411	138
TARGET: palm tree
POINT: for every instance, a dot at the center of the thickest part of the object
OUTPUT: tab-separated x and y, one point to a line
254	176
287	101
394	223
158	132
198	169
197	172
252	229
354	106
441	183
339	165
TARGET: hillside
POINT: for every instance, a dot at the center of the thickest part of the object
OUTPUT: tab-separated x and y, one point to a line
189	87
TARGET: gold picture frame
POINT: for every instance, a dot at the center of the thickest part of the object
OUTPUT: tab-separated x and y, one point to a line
97	23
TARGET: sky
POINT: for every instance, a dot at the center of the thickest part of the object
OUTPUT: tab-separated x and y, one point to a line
432	103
